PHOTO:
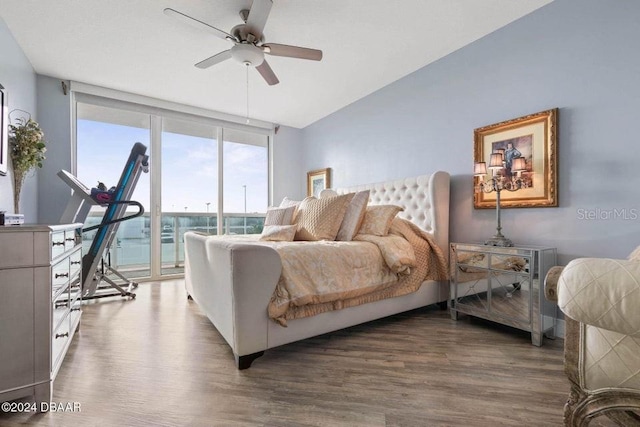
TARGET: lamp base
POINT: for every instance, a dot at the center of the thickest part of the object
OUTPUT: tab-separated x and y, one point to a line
499	241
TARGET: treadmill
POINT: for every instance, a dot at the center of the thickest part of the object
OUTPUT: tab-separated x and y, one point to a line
96	263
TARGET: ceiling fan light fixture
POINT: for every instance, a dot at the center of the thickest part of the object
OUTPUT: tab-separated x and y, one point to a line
249	41
247	53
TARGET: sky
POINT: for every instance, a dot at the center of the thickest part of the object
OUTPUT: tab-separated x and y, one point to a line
189	168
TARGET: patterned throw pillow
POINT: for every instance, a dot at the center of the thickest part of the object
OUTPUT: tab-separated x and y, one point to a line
279	216
279	233
287	202
377	220
354	216
320	219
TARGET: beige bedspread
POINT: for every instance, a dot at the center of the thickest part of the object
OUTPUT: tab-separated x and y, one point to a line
324	276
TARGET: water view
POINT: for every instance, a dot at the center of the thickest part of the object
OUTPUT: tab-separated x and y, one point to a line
131	249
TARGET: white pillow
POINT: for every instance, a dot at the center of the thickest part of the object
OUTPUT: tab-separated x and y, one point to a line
279	216
327	192
279	233
286	202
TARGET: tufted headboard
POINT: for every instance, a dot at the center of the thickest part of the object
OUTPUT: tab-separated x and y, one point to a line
425	200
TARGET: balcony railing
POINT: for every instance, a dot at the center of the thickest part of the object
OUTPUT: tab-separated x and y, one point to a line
131	248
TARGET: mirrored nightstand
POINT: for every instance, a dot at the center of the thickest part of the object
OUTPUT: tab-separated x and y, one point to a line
504	285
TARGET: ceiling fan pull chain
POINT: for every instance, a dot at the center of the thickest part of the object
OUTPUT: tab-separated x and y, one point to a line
247	67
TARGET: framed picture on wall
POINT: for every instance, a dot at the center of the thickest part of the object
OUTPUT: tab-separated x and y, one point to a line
318	180
4	131
533	138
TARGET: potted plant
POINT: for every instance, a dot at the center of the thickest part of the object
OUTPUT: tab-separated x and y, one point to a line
27	148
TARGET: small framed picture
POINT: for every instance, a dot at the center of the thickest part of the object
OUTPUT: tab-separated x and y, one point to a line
317	181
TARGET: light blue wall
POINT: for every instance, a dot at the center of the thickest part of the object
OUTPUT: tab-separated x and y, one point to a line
578	55
54	111
289	177
19	79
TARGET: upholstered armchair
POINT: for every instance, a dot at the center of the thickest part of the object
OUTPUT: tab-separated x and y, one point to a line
601	302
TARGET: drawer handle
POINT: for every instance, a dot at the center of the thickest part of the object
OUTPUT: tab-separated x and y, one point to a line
61	304
70	239
58	243
75	262
57	275
66	334
75	309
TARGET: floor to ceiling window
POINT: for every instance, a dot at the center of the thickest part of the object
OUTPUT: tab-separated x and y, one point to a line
193	181
246	181
189	186
105	137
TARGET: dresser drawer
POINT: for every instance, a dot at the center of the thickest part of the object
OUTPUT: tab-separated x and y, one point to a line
57	244
76	309
59	341
75	263
59	277
60	310
75	295
75	288
71	239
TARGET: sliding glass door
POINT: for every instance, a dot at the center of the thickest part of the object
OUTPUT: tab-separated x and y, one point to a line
104	138
246	181
196	182
189	187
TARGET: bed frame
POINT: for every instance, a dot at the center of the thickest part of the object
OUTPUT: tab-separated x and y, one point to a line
232	281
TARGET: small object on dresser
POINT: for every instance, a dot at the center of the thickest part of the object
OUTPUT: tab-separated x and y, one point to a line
11	219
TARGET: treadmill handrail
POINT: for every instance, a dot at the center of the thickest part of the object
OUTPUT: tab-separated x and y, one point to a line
124	218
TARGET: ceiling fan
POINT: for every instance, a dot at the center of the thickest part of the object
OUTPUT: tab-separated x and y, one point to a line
249	46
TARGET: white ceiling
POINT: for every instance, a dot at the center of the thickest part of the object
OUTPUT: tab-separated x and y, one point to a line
132	46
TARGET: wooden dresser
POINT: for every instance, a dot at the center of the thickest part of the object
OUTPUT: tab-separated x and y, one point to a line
40	297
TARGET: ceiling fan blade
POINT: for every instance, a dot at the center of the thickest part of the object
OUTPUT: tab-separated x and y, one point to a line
267	73
258	16
198	24
215	59
276	49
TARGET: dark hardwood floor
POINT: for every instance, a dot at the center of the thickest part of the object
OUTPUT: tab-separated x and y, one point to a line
157	360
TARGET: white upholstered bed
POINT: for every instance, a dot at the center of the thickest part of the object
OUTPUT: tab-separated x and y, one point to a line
233	281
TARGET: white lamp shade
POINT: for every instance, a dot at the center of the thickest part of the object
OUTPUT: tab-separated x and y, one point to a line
519	164
479	168
495	161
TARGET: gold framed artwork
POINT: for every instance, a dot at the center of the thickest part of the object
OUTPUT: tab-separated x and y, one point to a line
318	180
534	138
